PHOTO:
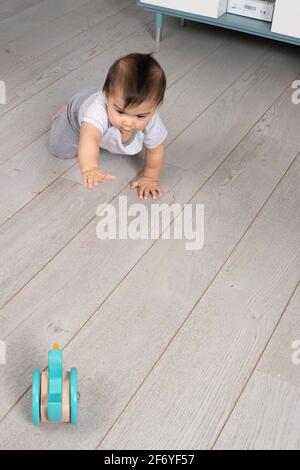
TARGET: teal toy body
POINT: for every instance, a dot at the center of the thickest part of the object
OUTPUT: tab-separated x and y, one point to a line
55	385
54	392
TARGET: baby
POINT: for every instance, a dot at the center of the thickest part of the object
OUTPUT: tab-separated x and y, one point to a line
121	118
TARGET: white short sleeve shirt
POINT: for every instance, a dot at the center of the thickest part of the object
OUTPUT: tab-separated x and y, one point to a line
94	111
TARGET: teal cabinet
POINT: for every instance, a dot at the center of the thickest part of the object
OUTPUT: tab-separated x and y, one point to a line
227	20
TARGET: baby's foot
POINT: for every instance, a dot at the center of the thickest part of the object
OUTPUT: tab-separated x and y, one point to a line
61	110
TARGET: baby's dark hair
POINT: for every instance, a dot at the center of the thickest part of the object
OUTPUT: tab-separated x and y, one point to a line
139	77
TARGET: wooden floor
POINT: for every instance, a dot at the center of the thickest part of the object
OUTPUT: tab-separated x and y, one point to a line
175	349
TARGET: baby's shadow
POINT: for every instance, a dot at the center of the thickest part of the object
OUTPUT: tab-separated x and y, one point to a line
20	368
129	165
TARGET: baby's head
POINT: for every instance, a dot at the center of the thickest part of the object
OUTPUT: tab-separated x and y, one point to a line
134	89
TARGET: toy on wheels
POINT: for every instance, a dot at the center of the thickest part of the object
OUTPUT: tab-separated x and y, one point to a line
55	392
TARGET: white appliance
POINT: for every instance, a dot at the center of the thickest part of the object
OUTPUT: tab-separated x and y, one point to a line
212	8
287	18
259	9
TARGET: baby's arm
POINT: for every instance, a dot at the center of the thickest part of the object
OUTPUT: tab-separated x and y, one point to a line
148	183
88	156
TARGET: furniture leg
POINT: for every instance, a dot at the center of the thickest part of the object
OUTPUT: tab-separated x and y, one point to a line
159	21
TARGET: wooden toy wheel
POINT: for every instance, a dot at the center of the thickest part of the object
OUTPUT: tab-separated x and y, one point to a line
44	396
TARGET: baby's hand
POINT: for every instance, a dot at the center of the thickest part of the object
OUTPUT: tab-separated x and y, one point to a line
95	175
147	185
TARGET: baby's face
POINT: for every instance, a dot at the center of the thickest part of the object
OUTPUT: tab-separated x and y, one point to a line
134	118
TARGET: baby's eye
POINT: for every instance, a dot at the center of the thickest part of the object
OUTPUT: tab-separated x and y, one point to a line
141	117
120	112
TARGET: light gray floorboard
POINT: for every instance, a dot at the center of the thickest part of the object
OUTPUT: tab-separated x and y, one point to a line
268	414
34	16
145	311
140	318
11	7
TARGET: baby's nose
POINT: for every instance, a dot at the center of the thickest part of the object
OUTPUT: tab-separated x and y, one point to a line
128	122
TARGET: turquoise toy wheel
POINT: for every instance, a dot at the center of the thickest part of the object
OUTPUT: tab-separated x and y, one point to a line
73	395
36	396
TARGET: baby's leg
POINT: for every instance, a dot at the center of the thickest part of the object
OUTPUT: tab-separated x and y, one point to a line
65	129
61	110
63	141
